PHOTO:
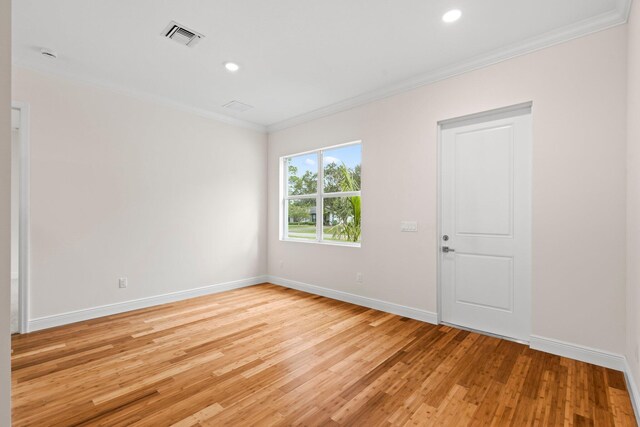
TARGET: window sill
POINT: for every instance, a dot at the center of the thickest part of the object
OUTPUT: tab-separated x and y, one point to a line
323	243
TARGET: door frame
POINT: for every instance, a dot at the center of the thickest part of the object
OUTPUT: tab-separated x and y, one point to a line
495	114
24	217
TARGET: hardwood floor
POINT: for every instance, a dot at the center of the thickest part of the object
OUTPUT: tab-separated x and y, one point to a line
267	355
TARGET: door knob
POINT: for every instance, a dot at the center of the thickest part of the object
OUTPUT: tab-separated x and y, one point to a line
447	249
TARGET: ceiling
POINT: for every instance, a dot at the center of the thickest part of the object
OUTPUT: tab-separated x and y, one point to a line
299	58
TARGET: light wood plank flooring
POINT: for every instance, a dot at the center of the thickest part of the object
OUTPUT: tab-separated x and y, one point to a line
266	355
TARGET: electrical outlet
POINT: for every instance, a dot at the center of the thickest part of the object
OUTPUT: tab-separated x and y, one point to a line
122	282
358	277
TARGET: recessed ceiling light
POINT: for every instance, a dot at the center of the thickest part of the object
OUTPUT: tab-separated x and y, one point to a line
452	16
232	67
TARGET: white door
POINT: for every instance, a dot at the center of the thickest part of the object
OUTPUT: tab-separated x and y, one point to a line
486	224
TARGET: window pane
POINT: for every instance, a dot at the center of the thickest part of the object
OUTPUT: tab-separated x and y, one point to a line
301	219
342	168
302	174
341	219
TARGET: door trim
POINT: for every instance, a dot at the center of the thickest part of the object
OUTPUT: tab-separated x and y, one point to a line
496	114
484	116
24	218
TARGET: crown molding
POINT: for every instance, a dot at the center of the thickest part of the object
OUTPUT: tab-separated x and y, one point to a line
143	96
624	8
615	17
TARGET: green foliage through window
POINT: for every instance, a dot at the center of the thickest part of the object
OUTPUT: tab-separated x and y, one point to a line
338	194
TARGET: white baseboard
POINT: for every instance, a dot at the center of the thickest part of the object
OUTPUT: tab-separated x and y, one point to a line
579	352
595	357
388	307
121	307
632	387
548	345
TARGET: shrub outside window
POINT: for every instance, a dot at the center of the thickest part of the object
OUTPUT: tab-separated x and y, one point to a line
321	195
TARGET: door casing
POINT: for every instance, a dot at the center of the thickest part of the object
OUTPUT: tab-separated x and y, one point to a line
24	218
495	114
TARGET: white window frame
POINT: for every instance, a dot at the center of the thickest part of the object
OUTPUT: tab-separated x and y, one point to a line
319	196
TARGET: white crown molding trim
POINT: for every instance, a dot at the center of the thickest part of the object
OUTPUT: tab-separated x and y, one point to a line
579	352
144	96
121	307
376	304
597	23
632	387
624	7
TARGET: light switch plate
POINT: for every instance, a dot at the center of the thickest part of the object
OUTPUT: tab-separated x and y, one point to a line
409	226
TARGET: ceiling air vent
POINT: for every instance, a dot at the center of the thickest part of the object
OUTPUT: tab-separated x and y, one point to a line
237	106
181	34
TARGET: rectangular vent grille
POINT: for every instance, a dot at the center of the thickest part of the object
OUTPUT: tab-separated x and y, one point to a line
237	106
181	34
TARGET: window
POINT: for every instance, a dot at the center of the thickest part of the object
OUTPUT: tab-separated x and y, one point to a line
322	201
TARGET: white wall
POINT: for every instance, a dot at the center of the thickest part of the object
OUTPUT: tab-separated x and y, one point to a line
125	187
633	192
578	93
5	210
